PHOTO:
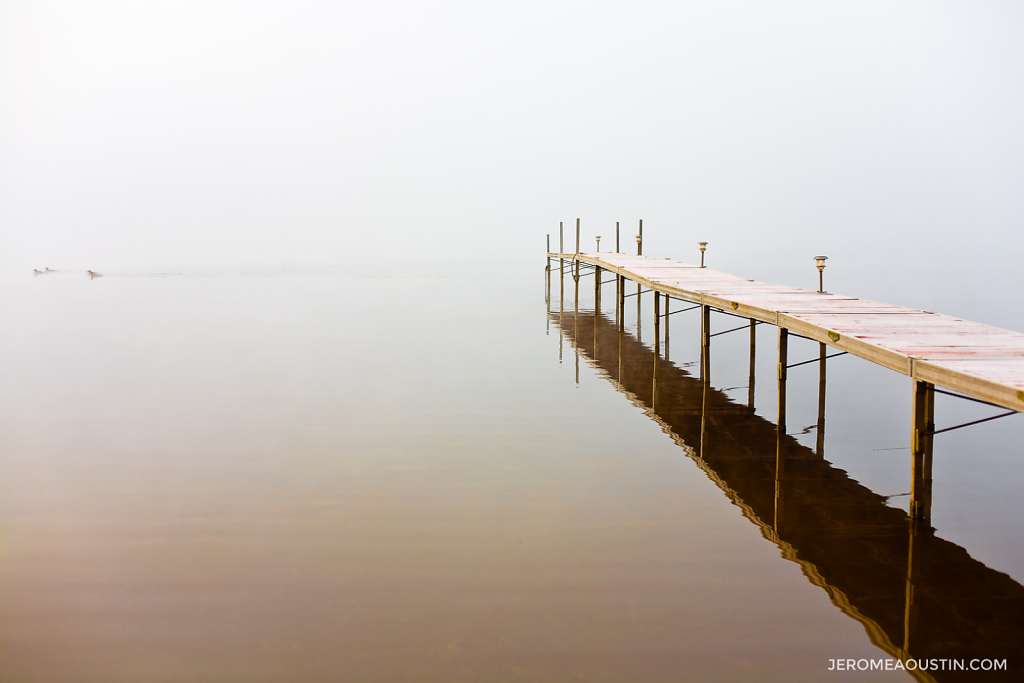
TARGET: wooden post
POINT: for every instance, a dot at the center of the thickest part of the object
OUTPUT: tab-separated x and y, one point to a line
705	344
820	446
783	362
667	318
616	237
622	301
577	236
597	290
657	323
780	431
640	240
753	353
921	445
561	250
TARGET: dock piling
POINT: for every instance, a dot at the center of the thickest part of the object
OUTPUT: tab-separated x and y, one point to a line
783	361
705	343
667	318
657	323
820	445
922	438
753	353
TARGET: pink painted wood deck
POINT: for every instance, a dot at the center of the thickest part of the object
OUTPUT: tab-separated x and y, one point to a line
976	360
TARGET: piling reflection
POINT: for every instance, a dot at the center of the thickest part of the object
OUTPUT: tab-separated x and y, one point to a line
917	595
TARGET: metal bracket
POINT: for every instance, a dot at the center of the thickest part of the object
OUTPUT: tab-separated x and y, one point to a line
974	422
681	310
735	329
815	360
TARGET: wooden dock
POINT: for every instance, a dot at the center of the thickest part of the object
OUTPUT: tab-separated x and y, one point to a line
978	361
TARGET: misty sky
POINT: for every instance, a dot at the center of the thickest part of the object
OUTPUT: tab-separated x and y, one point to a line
137	134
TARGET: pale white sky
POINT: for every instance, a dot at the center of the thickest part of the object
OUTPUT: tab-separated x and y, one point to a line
238	133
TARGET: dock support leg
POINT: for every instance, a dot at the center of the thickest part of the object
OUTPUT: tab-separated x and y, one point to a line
597	290
622	302
667	318
753	353
657	323
820	429
921	445
783	362
705	344
780	430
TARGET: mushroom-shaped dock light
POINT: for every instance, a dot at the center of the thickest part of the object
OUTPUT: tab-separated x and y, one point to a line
703	246
639	244
820	262
599	243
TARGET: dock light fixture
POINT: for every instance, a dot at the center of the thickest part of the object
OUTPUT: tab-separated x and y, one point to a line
703	246
599	243
639	243
820	262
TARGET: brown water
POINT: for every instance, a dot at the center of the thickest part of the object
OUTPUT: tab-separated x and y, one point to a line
333	476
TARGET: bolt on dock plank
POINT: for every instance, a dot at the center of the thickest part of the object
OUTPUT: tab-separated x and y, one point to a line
979	361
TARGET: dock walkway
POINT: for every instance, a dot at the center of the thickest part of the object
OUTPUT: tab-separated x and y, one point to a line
978	361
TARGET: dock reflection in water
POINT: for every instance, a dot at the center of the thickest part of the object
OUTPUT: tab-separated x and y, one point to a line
917	595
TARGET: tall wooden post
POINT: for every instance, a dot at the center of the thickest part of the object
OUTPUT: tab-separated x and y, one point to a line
616	237
597	290
921	444
753	354
820	429
622	301
783	362
705	344
667	318
577	236
657	323
640	240
780	431
561	249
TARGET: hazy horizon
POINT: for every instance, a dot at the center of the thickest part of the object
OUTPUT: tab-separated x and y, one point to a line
243	134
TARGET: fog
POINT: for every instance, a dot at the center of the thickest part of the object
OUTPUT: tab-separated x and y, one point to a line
887	135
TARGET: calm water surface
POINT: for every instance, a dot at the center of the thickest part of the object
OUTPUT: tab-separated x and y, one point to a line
378	475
